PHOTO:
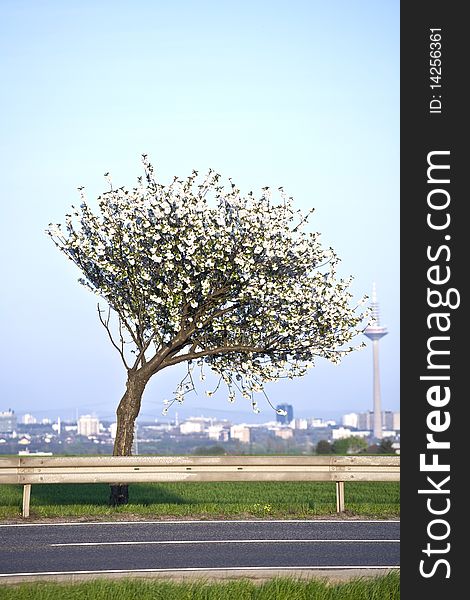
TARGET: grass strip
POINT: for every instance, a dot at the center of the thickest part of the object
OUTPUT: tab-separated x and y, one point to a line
216	499
386	587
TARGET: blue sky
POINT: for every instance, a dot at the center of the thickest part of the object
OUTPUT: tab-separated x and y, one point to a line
303	94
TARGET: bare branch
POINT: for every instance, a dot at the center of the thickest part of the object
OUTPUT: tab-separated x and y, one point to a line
121	335
106	326
126	325
304	220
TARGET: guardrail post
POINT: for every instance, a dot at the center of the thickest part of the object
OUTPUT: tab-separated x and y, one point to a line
340	496
26	499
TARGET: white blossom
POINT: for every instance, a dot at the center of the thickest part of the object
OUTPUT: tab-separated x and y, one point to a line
235	281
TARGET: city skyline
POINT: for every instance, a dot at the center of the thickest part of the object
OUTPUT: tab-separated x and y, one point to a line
251	418
197	435
305	98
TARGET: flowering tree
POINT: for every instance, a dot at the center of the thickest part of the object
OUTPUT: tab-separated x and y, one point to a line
195	272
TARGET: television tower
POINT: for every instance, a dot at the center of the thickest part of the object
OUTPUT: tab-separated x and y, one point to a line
375	332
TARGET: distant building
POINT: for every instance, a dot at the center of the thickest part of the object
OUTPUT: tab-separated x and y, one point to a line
88	425
8	421
344	432
315	422
390	420
28	419
285	433
287	418
396	421
300	423
340	433
350	420
387	419
219	433
194	425
242	433
365	420
58	426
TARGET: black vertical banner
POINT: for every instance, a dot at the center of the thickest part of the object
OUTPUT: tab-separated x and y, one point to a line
434	327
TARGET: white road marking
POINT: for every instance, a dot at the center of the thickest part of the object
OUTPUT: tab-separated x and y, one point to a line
195	522
199	569
296	541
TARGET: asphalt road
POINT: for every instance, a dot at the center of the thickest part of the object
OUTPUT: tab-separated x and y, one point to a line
84	548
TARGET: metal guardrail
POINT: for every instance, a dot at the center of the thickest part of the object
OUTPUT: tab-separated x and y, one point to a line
29	471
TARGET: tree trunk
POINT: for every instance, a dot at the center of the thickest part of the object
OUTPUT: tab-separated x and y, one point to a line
127	413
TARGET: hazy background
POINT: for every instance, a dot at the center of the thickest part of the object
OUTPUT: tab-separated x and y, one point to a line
303	94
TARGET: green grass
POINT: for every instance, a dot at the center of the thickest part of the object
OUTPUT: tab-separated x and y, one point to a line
206	500
377	588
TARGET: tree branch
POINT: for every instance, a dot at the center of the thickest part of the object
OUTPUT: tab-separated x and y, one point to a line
127	326
106	326
142	352
220	313
211	352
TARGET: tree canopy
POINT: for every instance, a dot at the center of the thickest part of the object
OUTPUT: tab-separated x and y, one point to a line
324	447
197	272
349	445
